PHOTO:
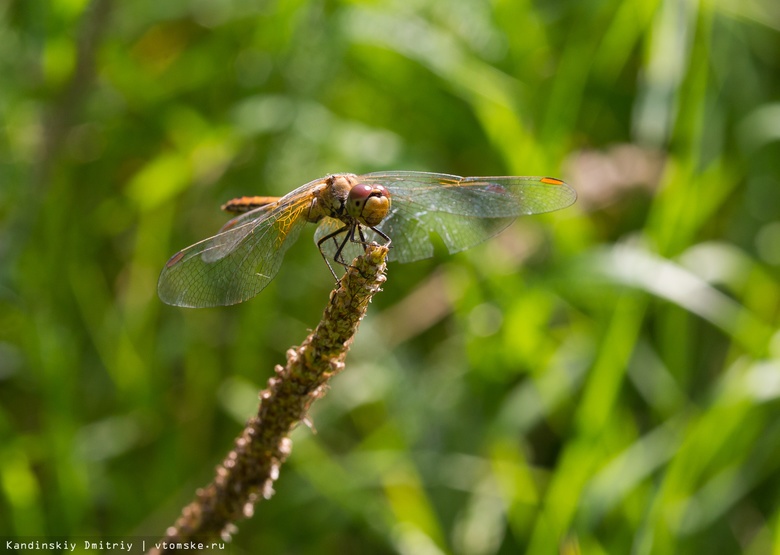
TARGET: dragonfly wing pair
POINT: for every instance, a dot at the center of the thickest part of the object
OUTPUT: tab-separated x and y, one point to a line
238	262
462	211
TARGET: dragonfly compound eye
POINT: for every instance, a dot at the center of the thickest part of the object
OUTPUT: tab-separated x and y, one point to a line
368	204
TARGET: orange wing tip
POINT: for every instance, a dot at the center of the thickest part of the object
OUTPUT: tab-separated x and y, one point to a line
551	181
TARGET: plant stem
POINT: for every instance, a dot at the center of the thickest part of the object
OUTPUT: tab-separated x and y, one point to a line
250	469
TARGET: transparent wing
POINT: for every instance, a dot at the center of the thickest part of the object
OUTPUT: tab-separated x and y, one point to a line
463	211
238	262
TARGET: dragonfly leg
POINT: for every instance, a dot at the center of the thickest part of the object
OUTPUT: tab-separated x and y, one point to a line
349	232
350	236
356	230
383	236
361	239
352	233
333	236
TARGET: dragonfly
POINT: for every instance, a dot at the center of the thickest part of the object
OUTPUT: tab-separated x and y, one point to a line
401	209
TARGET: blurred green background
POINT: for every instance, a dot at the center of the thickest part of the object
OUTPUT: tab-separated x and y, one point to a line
603	379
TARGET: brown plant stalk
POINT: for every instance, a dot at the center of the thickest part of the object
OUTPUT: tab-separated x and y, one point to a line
250	469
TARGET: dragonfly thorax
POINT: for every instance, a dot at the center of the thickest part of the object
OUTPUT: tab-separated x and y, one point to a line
330	198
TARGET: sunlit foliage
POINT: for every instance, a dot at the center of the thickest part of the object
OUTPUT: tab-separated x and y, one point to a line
603	379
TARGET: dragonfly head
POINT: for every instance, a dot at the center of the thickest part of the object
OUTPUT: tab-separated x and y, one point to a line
368	204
